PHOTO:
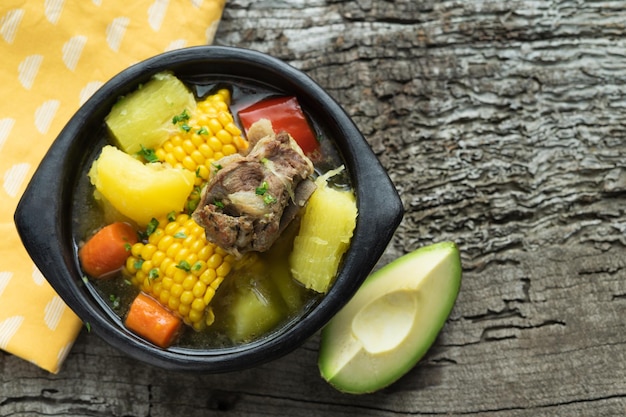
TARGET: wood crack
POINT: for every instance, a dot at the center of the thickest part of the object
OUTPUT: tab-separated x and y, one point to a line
544	406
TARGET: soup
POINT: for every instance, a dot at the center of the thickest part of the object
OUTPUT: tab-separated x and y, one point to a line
222	295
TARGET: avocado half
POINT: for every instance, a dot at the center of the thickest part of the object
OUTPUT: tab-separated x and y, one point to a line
392	320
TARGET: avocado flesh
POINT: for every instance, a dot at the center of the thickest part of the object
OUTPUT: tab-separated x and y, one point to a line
392	320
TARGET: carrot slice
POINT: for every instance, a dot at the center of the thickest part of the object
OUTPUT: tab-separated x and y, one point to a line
150	320
107	250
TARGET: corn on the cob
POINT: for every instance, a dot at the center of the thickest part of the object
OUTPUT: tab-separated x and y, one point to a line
206	135
180	269
177	265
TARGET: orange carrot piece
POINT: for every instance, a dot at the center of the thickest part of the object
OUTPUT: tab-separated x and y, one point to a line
107	250
150	320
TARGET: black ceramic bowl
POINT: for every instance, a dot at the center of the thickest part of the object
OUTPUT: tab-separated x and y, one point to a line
44	214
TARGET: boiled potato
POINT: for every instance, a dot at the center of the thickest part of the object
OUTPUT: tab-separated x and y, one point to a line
137	190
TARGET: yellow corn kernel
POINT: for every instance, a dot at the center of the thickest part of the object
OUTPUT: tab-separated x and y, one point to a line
209	276
214	125
216	283
224	137
232	128
195	316
208	295
130	265
180	269
215	143
179	275
183	310
148	251
147	266
176	290
136	249
167	283
229	149
158	257
223	269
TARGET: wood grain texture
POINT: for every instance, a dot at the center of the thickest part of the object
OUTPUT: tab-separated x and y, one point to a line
502	126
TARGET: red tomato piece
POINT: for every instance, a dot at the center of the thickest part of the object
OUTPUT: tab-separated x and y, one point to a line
286	115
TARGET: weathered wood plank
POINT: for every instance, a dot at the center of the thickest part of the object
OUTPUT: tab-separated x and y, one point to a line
502	126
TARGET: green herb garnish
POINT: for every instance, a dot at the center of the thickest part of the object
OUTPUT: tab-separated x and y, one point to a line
115	300
180	117
148	154
262	189
138	263
269	199
152	226
184	265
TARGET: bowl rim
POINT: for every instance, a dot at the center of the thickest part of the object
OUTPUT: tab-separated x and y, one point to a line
45	198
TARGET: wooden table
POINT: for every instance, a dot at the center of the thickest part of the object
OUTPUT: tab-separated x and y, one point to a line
502	125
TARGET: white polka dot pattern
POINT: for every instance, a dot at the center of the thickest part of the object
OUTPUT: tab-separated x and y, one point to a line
14	178
8	328
5	277
55	55
9	24
72	50
27	70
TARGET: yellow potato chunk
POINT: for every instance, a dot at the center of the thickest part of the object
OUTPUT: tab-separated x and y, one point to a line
137	190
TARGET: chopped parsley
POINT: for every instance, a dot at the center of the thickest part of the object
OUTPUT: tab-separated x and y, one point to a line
180	235
154	273
203	131
184	265
269	199
197	266
185	127
115	301
152	226
194	199
219	204
171	216
148	154
127	247
138	263
262	189
184	116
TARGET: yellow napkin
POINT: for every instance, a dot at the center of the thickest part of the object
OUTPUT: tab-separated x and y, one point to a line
55	54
